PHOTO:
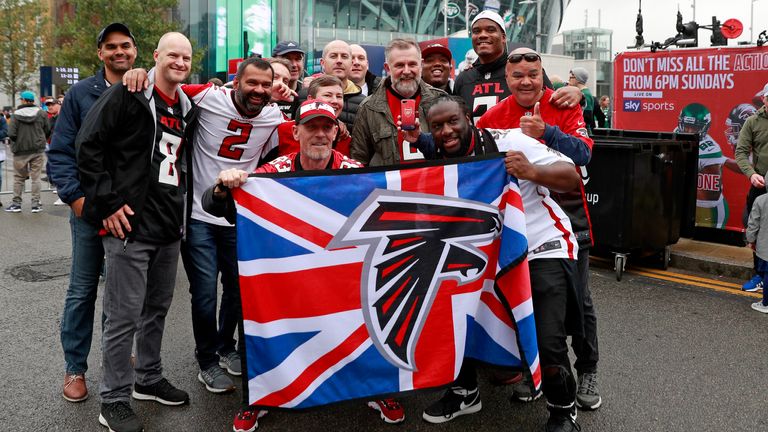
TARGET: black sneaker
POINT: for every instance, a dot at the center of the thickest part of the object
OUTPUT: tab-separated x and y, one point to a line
456	401
119	417
562	420
161	391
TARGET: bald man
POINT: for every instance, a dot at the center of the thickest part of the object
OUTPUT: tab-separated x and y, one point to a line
359	74
337	61
128	149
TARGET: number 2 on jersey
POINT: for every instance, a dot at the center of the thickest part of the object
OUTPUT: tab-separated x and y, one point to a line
228	149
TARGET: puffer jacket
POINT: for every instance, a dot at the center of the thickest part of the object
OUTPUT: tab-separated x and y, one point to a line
374	137
29	130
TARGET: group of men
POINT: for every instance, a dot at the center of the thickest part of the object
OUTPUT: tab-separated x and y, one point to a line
132	150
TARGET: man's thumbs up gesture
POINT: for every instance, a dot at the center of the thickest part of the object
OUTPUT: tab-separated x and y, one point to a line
533	125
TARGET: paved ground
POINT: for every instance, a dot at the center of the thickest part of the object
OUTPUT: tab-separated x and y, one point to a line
674	358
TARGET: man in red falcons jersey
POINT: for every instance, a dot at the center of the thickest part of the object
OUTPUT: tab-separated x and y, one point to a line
316	129
563	130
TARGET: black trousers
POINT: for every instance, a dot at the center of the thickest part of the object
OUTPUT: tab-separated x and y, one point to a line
551	281
585	347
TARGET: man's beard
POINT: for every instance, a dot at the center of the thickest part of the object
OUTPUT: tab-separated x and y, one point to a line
317	153
245	102
406	86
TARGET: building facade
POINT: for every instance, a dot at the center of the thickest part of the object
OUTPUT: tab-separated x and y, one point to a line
593	43
231	29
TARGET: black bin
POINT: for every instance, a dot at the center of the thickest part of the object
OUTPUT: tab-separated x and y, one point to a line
641	190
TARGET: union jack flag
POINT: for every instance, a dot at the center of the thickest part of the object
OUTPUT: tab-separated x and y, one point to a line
358	283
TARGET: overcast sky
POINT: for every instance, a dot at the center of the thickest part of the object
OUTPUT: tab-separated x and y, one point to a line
659	17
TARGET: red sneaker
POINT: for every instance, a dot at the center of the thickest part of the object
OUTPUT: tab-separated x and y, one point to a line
390	409
246	420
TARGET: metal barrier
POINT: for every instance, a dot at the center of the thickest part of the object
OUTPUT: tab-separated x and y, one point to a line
6	174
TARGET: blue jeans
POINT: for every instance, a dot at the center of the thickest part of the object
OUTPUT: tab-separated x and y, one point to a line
77	320
207	251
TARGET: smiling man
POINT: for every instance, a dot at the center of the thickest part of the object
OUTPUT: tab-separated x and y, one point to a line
359	73
436	67
116	48
128	151
375	137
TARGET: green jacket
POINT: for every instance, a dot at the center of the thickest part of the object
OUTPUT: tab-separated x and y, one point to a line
753	140
29	130
374	134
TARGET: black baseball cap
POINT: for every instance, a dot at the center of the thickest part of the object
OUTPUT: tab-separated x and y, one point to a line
285	47
114	27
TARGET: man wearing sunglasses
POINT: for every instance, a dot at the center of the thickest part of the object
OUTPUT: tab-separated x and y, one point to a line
484	85
563	130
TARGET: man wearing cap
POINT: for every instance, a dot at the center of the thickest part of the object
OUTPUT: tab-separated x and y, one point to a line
128	154
291	51
116	48
375	137
436	67
752	158
337	61
28	132
485	85
578	78
316	129
562	130
359	74
54	107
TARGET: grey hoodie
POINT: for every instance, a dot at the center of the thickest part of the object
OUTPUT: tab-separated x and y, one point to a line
29	130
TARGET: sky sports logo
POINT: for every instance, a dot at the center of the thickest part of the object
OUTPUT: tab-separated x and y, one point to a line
632	105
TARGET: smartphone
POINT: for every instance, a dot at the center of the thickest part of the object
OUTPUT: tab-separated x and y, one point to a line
408	114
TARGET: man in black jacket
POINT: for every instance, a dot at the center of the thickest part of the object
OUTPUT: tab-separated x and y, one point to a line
485	84
128	150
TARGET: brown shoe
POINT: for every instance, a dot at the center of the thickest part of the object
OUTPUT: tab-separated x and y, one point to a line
74	388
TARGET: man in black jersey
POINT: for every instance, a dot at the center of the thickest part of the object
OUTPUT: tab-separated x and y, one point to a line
128	150
485	84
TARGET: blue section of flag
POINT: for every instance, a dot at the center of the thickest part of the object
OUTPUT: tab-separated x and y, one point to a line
262	243
513	246
370	373
264	354
483	347
484	172
339	193
526	334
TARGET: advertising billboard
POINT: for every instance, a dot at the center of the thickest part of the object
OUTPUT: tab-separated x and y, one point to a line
709	91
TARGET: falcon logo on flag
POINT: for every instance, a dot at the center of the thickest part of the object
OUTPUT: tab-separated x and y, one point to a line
415	241
366	282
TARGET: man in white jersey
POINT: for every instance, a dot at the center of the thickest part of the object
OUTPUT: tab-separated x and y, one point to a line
552	251
237	128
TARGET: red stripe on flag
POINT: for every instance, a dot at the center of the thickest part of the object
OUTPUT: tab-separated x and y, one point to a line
497	308
428	180
403	216
285	220
515	285
273	296
436	352
514	199
314	370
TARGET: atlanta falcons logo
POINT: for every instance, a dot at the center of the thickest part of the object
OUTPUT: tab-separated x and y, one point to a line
415	241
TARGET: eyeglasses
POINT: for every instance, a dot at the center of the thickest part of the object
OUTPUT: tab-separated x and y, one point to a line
529	57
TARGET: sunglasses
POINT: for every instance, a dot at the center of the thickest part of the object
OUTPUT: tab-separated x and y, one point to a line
529	57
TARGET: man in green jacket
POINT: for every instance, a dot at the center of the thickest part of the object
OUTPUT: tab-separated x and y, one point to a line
375	138
29	132
753	142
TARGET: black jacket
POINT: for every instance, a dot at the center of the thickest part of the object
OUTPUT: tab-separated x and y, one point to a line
372	81
114	151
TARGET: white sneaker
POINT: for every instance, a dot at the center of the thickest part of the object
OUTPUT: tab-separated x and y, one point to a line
758	306
59	202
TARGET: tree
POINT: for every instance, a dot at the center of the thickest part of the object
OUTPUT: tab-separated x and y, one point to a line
22	33
76	36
